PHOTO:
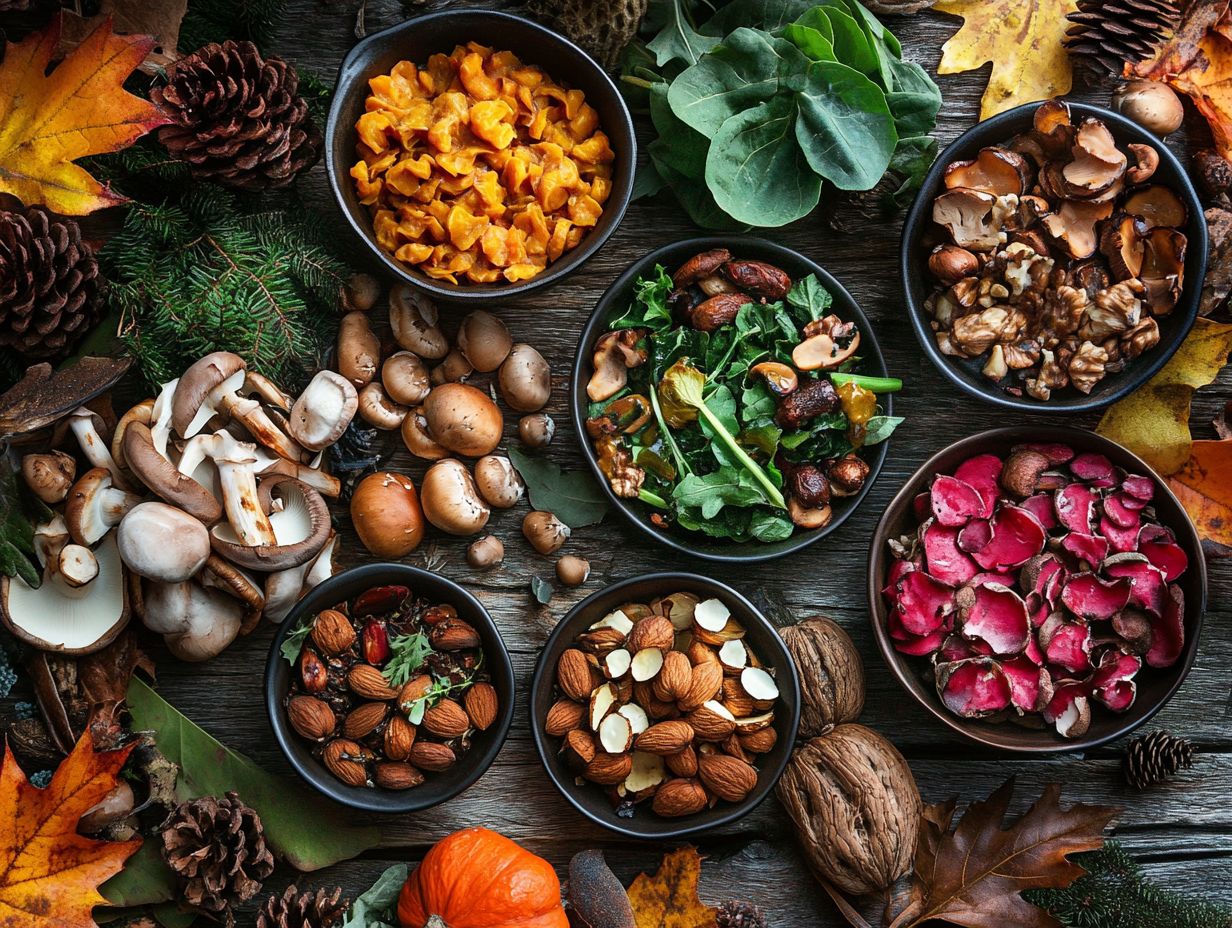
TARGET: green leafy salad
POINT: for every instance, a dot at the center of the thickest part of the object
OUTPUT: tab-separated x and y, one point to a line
728	399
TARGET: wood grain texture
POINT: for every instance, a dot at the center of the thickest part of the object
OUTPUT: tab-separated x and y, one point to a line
1184	829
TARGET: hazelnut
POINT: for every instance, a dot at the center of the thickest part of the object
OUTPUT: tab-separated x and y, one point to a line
950	264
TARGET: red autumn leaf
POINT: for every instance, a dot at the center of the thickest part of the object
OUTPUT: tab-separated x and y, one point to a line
1204	487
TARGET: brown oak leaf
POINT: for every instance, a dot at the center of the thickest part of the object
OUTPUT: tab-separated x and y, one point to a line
972	875
669	898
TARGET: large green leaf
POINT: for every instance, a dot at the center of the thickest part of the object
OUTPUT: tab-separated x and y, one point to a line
145	879
845	127
574	498
677	39
852	45
914	100
308	831
755	167
374	908
760	14
16	525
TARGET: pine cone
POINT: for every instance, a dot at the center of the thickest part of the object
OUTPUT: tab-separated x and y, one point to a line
737	914
238	118
50	290
1155	757
1108	34
217	846
294	909
602	28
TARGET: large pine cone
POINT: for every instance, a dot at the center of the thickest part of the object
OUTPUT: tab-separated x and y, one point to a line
217	846
238	118
50	290
293	909
1108	34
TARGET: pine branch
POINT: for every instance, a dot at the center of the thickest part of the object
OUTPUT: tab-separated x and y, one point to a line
217	20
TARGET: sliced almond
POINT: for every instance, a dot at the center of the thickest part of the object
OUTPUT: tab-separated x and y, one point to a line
755	722
711	614
733	656
615	734
680	607
617	620
616	664
602	701
759	684
646	664
647	773
639	721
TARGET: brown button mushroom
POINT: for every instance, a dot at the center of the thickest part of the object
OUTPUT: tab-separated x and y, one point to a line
360	292
463	419
162	543
387	516
484	340
451	501
572	570
950	264
413	319
196	623
485	553
49	476
546	533
498	481
359	350
323	411
525	379
417	439
95	505
536	430
453	369
405	378
378	409
1153	105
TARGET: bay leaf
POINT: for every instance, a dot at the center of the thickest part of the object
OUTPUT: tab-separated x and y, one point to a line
574	497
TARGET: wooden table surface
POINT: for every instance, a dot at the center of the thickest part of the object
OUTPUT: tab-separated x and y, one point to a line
1181	831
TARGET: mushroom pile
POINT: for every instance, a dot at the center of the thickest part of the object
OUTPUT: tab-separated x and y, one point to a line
1056	256
203	509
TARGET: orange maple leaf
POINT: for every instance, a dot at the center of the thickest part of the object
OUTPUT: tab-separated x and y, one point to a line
669	898
49	874
1204	487
47	120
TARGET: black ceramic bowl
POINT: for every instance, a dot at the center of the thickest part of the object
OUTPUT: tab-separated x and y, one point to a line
438	787
616	300
917	283
592	800
1155	686
416	39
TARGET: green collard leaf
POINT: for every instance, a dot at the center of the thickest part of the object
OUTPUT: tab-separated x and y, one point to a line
18	510
727	486
541	590
769	527
647	181
294	642
914	100
756	169
818	45
677	41
574	498
309	831
649	308
723	405
738	74
809	297
376	907
880	428
844	128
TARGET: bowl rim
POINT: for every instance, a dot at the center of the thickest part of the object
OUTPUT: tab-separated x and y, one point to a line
897	663
915	223
617	204
871	350
363	798
541	678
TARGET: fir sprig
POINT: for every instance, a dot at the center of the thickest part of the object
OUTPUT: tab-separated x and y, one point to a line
217	20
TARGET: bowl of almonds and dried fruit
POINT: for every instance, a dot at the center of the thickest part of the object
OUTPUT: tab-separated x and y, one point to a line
389	688
664	705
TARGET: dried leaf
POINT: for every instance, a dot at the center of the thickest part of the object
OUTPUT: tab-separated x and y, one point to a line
80	108
1218	282
669	898
1204	487
1153	421
972	875
43	396
158	18
1023	41
49	874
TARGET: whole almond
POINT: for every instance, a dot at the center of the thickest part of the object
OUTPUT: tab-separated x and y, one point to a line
412	690
732	747
759	742
654	631
453	635
394	775
578	748
564	716
699	653
399	738
608	769
575	675
345	760
368	681
363	719
679	797
709	725
446	719
705	681
683	763
727	777
665	738
311	717
674	678
332	631
481	705
431	756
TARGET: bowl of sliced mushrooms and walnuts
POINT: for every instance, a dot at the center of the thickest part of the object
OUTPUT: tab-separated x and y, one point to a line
1054	258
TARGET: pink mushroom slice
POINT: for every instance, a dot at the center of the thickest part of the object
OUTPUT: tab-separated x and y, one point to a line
958	648
975	535
1017	537
1033	652
995	615
921	646
1091	597
1113	681
1030	684
1133	628
1138	487
1148	585
1089	548
923	603
1075	505
1069	710
1119	539
1038	609
1094	468
1163	552
921	505
1119	514
955	502
1065	644
944	559
1055	452
983	472
1037	572
974	688
1168	632
1041	506
898	569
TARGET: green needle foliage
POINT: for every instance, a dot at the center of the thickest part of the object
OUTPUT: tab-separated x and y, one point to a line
1116	894
217	20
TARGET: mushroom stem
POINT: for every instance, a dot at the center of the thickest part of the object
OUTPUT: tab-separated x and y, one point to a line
260	425
160	417
235	461
76	565
81	422
259	385
323	483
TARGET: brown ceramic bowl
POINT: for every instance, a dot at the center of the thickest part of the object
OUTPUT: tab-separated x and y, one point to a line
1155	686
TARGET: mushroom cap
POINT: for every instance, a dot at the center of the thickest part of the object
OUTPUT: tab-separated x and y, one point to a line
323	411
525	379
198	623
163	543
451	500
162	477
49	476
284	588
463	419
484	340
405	378
90	510
57	617
387	516
196	385
299	517
221	575
378	409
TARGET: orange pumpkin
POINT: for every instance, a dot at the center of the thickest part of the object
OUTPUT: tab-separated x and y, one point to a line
476	878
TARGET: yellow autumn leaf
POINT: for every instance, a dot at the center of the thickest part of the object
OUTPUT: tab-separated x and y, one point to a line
1153	421
669	898
1204	487
1023	41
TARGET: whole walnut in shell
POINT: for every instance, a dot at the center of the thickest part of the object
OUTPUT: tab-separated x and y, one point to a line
855	806
831	674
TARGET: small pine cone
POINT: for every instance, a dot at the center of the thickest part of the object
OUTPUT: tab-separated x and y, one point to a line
737	914
293	909
238	118
602	29
1108	34
217	846
1155	757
